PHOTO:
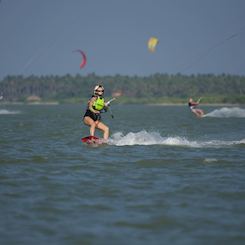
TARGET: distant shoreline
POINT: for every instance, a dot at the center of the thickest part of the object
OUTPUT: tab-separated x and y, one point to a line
132	103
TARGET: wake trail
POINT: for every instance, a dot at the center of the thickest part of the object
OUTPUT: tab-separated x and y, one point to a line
227	113
8	112
154	138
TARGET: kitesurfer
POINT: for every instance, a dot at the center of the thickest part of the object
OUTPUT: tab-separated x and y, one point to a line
192	105
92	116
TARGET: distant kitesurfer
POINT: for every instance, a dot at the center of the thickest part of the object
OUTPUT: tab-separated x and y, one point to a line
192	105
92	116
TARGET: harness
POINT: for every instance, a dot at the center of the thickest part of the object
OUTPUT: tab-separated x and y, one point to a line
99	103
191	106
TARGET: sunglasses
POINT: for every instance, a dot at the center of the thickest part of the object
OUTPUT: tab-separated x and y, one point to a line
97	90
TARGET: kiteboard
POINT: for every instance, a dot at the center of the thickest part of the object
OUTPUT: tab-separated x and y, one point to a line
92	140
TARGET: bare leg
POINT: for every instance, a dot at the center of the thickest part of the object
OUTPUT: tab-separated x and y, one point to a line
198	112
90	122
104	128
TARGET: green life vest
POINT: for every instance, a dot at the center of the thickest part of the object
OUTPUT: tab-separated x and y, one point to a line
99	103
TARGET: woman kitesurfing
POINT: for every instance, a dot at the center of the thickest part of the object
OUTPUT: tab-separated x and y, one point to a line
92	116
192	105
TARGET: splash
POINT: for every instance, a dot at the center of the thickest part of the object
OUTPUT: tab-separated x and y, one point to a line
210	160
227	112
7	112
154	138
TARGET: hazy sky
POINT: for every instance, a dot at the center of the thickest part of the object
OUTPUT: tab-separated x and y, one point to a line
195	36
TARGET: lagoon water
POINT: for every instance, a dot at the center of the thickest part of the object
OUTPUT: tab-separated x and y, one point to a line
165	177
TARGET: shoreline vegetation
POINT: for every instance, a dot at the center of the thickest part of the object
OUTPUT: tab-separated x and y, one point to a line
54	103
157	89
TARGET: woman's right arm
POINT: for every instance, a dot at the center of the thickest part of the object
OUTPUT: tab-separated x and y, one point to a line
90	105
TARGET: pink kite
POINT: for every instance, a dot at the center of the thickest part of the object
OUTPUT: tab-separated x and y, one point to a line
84	60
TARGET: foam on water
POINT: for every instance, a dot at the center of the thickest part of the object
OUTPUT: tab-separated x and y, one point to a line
7	112
227	112
210	160
154	138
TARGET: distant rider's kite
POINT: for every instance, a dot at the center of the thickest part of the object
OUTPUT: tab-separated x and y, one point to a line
152	43
84	60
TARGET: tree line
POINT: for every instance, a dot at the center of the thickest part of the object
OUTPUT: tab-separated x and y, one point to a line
158	87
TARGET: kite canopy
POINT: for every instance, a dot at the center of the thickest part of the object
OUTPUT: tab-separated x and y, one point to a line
152	43
84	58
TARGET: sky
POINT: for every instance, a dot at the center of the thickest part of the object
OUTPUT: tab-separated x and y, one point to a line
195	37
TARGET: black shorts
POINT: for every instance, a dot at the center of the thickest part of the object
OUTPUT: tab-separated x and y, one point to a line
92	115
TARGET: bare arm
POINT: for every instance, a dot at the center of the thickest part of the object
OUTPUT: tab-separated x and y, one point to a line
90	105
199	100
